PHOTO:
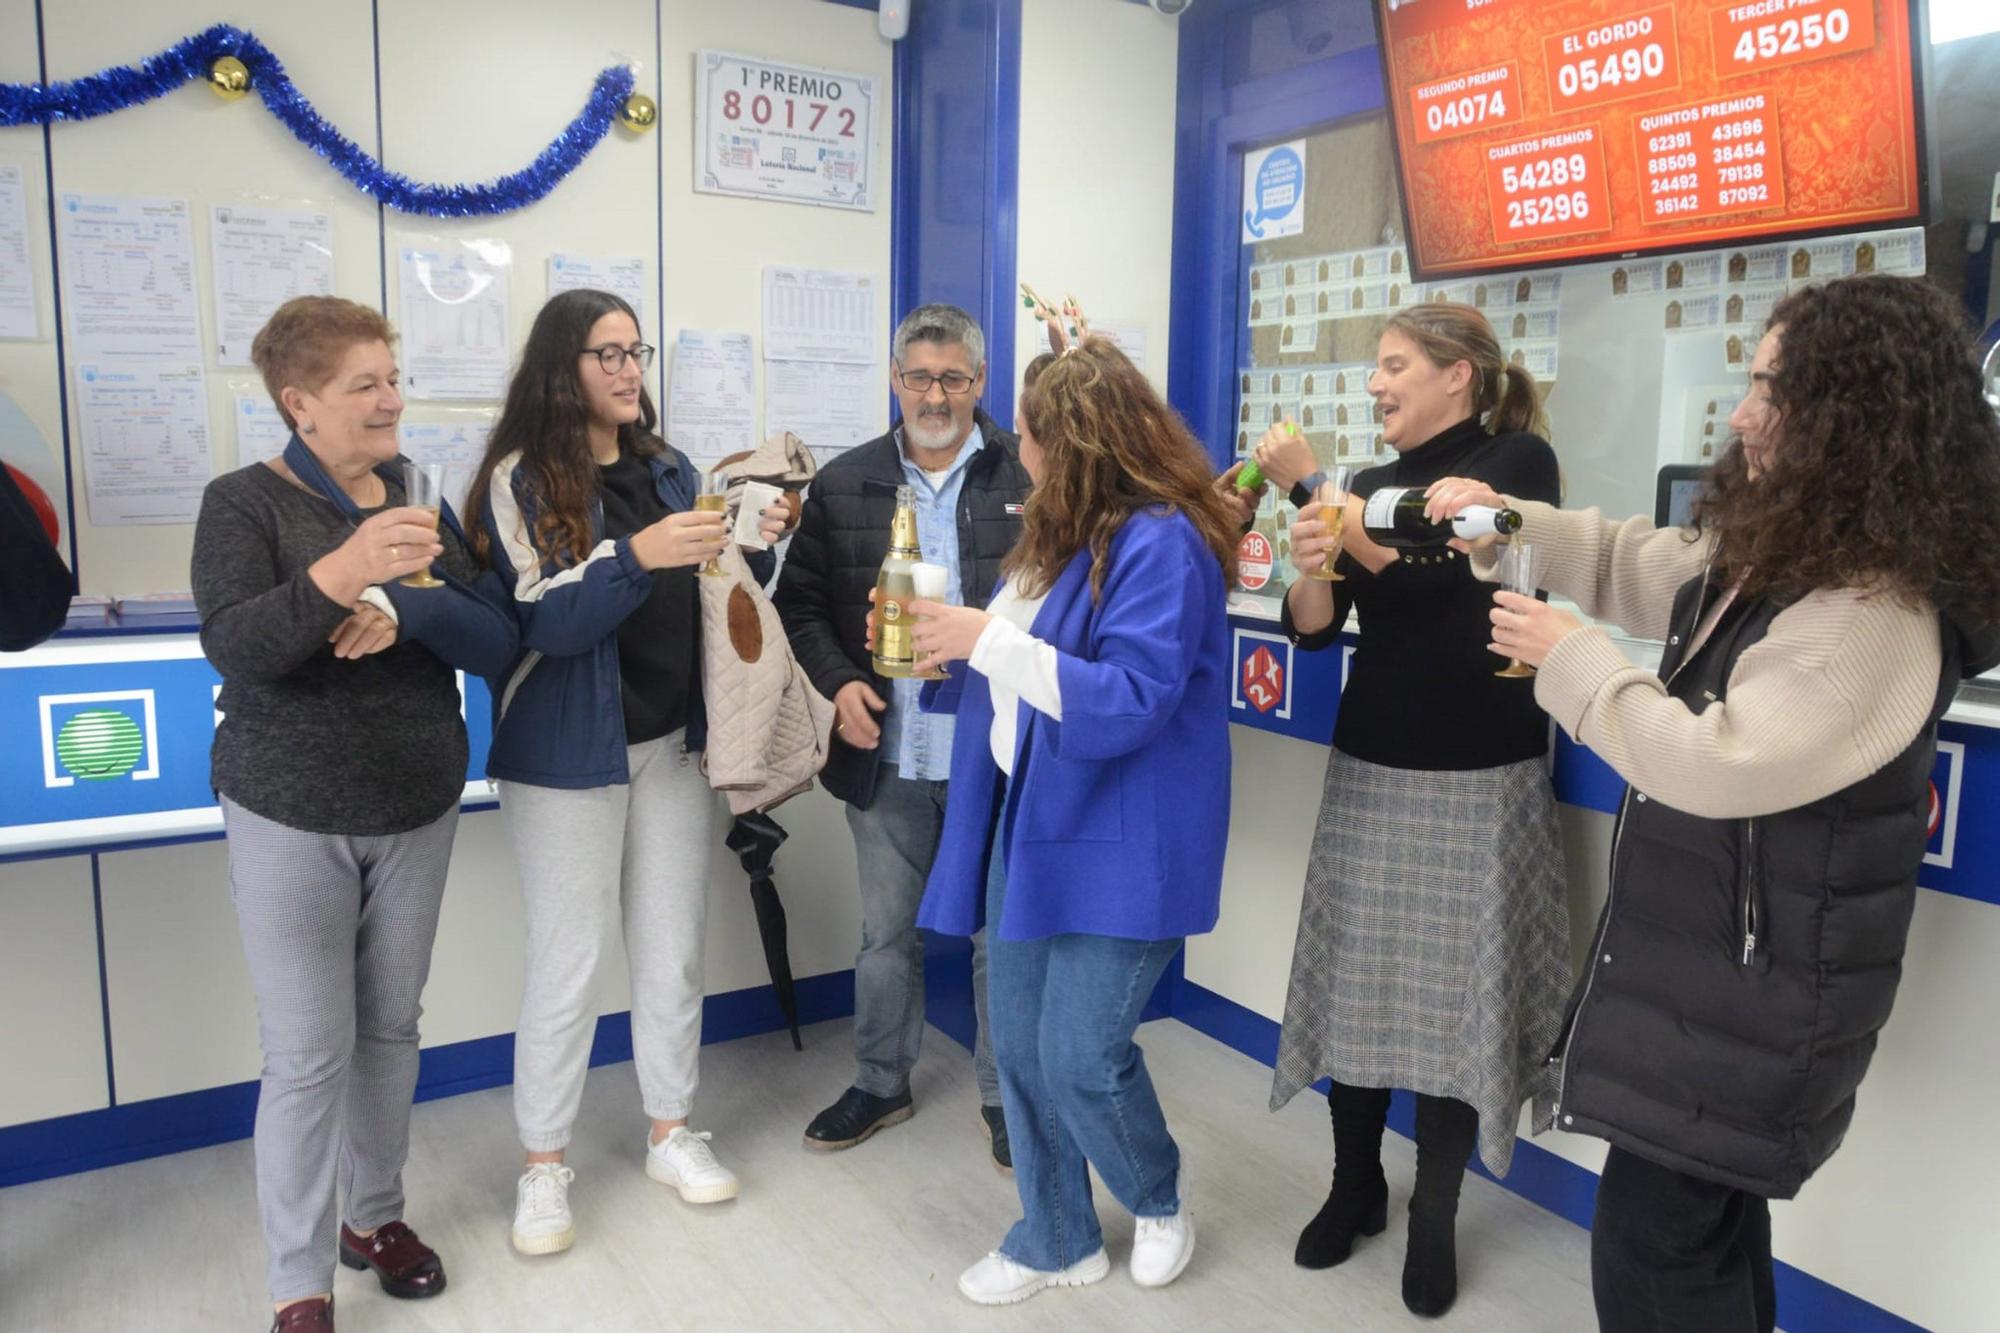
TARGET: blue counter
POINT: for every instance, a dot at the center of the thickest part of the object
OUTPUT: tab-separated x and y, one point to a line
108	741
1294	693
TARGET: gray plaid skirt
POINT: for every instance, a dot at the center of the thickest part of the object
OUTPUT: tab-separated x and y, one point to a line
1433	948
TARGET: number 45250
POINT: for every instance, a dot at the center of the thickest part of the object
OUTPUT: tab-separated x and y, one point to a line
1793	36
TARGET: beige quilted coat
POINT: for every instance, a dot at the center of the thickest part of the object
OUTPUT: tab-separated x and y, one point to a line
768	728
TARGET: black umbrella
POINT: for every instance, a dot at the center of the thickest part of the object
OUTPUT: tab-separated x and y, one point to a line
755	838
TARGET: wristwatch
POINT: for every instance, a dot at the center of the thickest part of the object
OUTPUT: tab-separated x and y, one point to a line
1307	487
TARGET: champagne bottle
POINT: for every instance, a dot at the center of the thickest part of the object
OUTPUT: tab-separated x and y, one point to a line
895	589
1394	516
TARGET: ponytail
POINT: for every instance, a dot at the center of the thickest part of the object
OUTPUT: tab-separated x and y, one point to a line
1516	405
1503	394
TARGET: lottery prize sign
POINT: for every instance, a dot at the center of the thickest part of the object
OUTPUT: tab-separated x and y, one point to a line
769	130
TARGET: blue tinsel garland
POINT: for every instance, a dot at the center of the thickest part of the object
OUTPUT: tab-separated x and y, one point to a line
125	86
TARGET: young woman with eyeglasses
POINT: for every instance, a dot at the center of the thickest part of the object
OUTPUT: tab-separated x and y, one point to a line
590	518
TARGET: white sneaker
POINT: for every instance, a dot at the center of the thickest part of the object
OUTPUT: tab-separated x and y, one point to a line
1162	1246
542	1222
998	1280
684	1160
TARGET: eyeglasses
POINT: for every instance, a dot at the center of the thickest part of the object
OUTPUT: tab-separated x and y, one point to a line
952	382
612	357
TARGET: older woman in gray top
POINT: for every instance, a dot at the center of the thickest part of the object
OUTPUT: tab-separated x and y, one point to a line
339	761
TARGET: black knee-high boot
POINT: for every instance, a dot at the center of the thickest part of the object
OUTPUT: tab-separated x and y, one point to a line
1446	1132
1359	1201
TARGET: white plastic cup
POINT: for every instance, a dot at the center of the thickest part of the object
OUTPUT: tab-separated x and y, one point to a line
932	583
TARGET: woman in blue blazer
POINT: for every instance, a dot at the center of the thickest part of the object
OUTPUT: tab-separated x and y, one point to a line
1089	803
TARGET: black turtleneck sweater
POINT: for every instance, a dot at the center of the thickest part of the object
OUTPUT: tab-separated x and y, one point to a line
659	644
1421	692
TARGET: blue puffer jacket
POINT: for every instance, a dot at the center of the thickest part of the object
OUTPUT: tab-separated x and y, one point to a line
558	712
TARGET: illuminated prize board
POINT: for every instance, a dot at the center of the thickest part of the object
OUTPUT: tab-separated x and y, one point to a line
1539	132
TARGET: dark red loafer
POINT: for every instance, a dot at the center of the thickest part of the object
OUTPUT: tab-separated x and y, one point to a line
404	1265
308	1316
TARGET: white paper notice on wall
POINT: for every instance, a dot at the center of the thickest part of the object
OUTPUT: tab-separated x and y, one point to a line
829	405
454	319
261	433
17	288
1274	192
458	443
711	397
144	432
624	276
816	315
1129	335
769	130
262	258
128	278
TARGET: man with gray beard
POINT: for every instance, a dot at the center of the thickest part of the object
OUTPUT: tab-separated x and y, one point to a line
890	760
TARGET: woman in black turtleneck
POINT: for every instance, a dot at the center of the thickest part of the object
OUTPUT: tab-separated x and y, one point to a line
1433	945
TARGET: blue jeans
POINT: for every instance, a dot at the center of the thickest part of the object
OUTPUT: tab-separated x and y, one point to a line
1074	1083
895	841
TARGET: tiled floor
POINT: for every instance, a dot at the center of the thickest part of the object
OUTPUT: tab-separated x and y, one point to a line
871	1238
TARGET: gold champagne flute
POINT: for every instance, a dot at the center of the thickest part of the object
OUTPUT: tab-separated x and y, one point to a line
1332	497
714	499
1521	567
423	488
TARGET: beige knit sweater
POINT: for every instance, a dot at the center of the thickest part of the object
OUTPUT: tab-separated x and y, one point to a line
1841	684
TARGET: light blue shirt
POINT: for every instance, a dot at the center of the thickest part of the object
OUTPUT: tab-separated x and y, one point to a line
919	743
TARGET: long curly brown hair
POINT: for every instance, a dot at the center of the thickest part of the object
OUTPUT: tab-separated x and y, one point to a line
547	422
1110	446
1886	463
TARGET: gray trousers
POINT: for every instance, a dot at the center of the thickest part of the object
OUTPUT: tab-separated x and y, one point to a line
594	861
895	841
338	934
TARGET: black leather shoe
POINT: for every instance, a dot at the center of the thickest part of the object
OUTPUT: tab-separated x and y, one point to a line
856	1117
995	1121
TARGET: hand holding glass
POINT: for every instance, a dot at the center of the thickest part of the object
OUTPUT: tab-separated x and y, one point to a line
1521	566
1332	497
423	488
714	499
931	584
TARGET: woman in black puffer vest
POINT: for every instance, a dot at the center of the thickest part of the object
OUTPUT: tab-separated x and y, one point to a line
1817	623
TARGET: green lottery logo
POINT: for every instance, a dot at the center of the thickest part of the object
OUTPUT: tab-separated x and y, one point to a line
112	735
100	743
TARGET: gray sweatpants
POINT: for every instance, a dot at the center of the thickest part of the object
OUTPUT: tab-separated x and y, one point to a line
338	934
593	859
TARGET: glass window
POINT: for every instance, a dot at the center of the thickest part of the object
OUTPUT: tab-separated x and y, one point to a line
1311	308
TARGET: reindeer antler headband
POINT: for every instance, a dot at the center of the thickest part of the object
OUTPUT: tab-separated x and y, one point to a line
1066	324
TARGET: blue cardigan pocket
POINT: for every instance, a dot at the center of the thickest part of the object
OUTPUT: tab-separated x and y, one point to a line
1072	802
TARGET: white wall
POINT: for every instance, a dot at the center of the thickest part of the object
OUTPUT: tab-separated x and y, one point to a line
52	1046
183	1016
1097	167
1902	1216
716	244
192	145
28	368
471	89
468	92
